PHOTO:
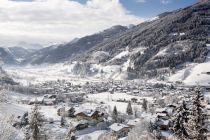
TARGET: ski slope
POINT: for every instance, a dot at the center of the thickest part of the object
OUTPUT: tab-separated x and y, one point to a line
195	74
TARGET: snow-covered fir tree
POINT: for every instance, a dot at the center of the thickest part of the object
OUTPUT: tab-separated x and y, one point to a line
63	121
179	120
144	105
196	126
7	131
71	134
129	109
35	122
115	114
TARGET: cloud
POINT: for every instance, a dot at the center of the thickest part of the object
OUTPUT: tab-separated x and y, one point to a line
166	1
51	21
141	1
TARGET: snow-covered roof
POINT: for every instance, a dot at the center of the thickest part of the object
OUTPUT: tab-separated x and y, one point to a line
118	126
38	99
208	106
133	122
87	112
164	122
49	100
160	110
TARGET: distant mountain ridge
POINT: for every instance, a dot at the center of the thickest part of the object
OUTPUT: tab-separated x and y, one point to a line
68	51
14	55
6	56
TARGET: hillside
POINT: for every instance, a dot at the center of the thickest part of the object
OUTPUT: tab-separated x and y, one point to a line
7	57
66	52
162	44
13	55
149	49
5	79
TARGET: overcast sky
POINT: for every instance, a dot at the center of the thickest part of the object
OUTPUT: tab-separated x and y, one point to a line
56	21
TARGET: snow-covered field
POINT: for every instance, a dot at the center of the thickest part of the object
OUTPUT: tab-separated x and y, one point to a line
194	74
37	74
111	100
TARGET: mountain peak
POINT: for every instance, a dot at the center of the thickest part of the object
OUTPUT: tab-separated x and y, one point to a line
30	46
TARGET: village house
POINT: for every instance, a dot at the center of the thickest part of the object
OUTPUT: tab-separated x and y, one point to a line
119	130
133	123
66	111
74	97
162	113
134	100
38	100
89	114
163	124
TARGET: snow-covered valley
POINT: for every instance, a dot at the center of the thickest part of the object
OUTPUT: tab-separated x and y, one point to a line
58	93
80	72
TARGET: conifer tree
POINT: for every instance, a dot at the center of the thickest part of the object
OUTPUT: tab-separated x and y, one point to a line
144	105
35	122
71	134
196	126
129	109
63	121
179	120
115	114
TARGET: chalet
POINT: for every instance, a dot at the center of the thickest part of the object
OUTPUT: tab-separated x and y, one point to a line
38	100
60	111
49	101
120	130
132	123
74	97
170	109
67	111
82	125
134	100
88	114
25	101
162	113
125	90
163	124
135	91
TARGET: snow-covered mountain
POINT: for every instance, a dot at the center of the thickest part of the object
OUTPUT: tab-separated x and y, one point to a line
7	57
11	55
150	49
5	79
158	46
29	46
68	51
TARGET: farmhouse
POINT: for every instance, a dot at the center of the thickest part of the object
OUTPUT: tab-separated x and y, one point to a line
163	124
88	114
132	123
120	130
67	111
